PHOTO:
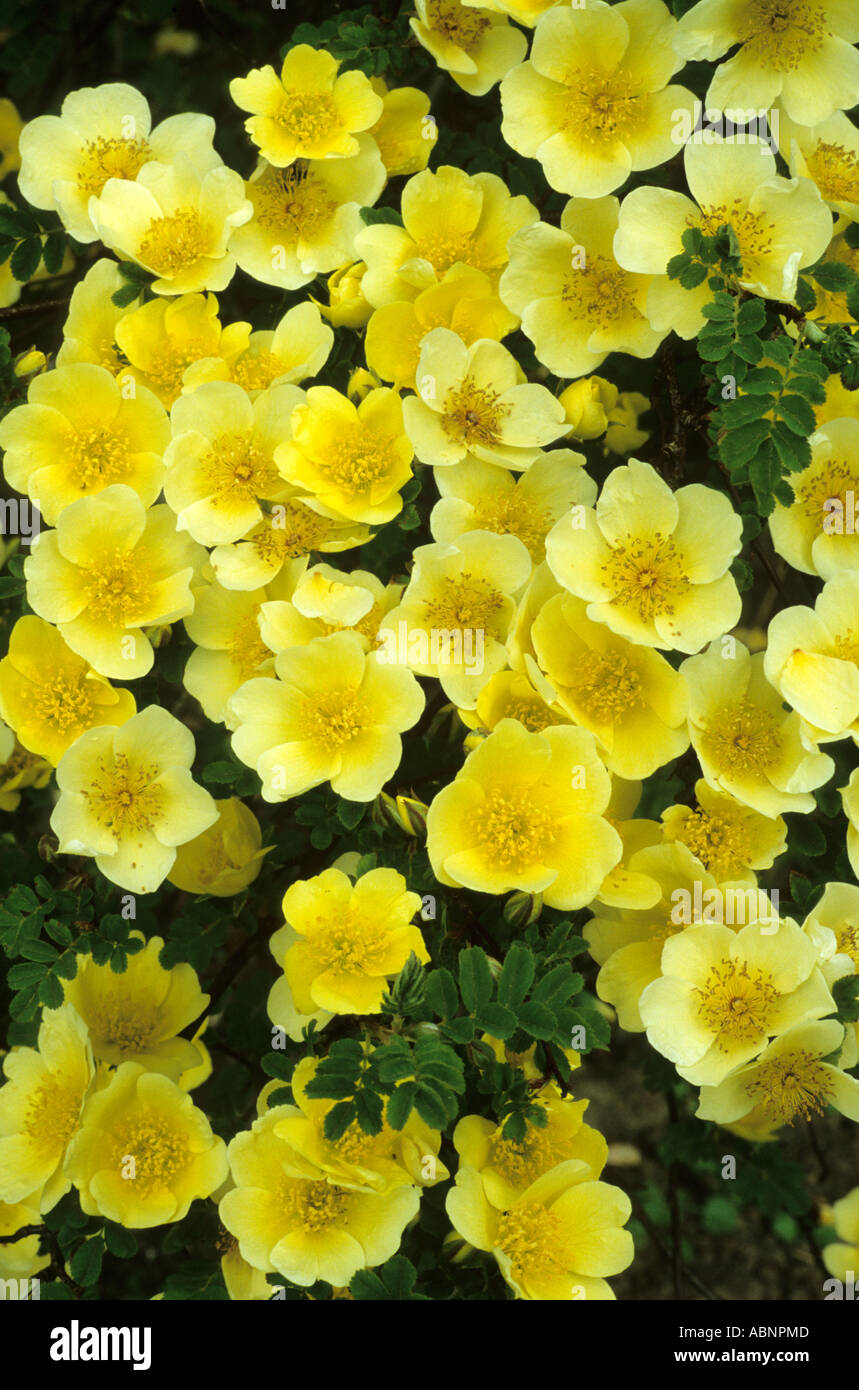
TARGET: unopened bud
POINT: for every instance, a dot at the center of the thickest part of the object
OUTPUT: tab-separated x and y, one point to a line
521	909
30	362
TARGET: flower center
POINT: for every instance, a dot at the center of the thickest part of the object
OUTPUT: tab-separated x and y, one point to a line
97	456
530	1236
351	943
332	720
848	941
599	107
292	203
646	576
257	371
465	601
791	1086
532	714
828	480
513	832
307	116
599	292
235	470
247	651
835	170
512	514
118	592
298	531
168	363
743	740
779	33
522	1161
120	1024
170	244
846	648
458	24
314	1205
718	840
357	458
753	231
64	704
606	686
445	247
52	1116
124	798
103	159
737	1002
472	414
158	1150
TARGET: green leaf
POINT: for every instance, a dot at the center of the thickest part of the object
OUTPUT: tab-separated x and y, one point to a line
373	216
351	813
85	1264
797	414
458	1030
833	275
538	1020
400	1104
9	587
53	251
751	316
22	975
125	295
338	1120
557	985
761	381
441	993
25	259
516	976
51	992
719	1216
496	1020
120	1242
738	446
794	451
430	1106
222	772
475	979
747	408
806	837
845	992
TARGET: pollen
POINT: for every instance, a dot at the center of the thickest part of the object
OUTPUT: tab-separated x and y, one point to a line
257	371
294	530
827	480
607	686
103	159
458	24
167	365
743	740
159	1150
532	714
599	108
778	34
512	514
314	1205
52	1115
522	1161
531	1238
719	840
791	1087
307	117
846	647
332	720
835	170
446	247
847	936
236	470
736	1002
123	797
513	832
118	591
125	1025
247	651
752	229
292	203
464	601
472	414
599	292
173	243
97	456
350	942
357	458
64	704
647	576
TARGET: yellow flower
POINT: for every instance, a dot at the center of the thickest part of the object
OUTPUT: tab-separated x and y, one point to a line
306	218
127	797
780	224
18	768
747	743
837	912
221	460
842	1257
788	1081
40	1109
335	714
326	600
306	1228
103	133
507	1167
308	112
831	305
89	332
225	628
281	540
816	533
110	569
623	435
456	612
296	348
476	46
362	1162
625	886
576	304
463	301
724	994
11	126
144	1151
353	940
652	563
525	12
794	52
478	496
405	132
839	402
473	403
347	307
560	1239
353	459
243	1282
730	839
631	924
850	804
592	103
175	220
137	1016
510	695
449	218
628	696
526	811
78	433
20	1259
588	404
812	658
49	695
164	339
828	154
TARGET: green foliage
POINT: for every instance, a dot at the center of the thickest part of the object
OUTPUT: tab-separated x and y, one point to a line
30	238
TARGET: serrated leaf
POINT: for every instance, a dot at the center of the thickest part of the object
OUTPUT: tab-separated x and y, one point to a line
222	772
475	979
351	813
459	1030
794	452
430	1106
740	445
120	1242
25	259
400	1104
85	1264
338	1120
557	985
538	1020
373	216
441	993
833	275
797	414
53	252
517	974
20	976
